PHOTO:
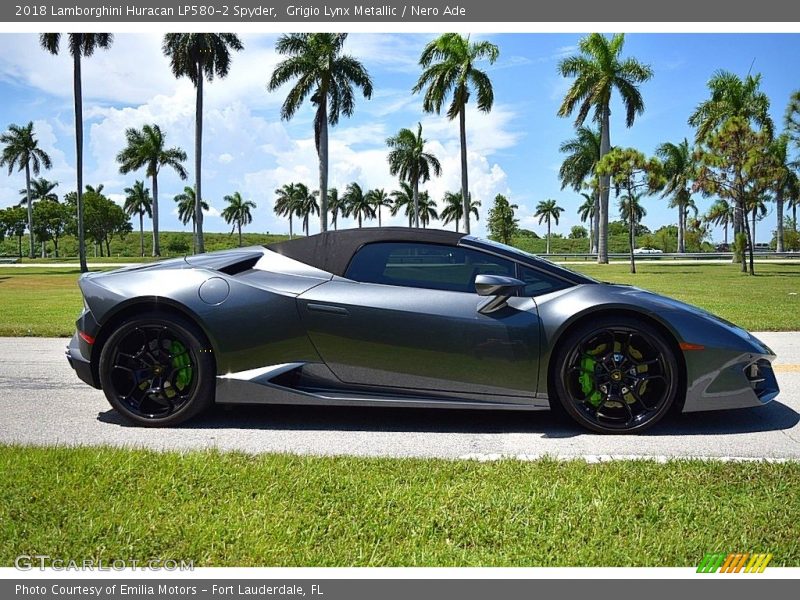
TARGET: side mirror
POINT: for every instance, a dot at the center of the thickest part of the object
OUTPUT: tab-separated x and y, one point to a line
499	288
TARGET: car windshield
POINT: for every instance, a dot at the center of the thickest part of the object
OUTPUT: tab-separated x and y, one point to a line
522	253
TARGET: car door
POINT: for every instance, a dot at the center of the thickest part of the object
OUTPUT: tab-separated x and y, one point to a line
405	316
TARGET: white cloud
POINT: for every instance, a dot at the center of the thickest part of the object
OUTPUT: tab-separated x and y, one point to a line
225	158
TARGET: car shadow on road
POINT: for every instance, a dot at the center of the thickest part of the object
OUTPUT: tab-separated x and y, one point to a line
773	417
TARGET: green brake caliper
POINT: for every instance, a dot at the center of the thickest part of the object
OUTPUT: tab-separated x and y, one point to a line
586	380
181	361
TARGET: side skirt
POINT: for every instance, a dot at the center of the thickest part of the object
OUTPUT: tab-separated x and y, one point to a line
257	387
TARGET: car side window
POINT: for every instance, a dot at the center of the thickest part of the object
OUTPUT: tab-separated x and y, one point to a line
538	282
427	266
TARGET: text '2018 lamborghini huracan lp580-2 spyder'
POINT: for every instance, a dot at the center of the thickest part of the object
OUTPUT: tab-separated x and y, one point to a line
404	317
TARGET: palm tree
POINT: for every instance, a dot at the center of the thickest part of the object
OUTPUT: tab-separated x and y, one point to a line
721	214
80	45
305	203
587	212
408	160
731	96
321	69
41	189
792	125
583	154
598	70
336	206
286	204
358	204
138	202
454	208
21	150
200	57
427	209
379	198
238	212
448	64
187	204
146	148
786	181
632	213
549	211
403	199
679	171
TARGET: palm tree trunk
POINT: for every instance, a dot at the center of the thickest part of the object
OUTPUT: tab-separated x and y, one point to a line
19	244
779	213
32	253
725	232
156	245
78	99
291	233
379	216
749	249
738	218
596	228
108	247
55	246
631	231
548	236
323	164
44	250
198	164
359	220
194	236
416	201
239	227
462	126
753	230
605	188
681	229
141	233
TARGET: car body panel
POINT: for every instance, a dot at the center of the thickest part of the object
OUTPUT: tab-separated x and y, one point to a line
286	326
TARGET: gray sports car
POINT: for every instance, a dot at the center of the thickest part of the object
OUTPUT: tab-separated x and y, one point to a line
404	317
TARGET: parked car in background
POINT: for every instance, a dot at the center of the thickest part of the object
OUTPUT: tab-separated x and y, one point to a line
647	250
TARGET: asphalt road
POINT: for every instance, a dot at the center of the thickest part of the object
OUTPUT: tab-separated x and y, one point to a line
43	403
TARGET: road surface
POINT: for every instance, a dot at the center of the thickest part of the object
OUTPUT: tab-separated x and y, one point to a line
43	403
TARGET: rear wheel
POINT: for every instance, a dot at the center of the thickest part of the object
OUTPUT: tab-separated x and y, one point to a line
616	375
156	370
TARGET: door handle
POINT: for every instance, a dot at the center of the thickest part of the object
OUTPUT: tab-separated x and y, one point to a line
328	308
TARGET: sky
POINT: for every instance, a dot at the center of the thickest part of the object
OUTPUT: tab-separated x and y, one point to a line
513	150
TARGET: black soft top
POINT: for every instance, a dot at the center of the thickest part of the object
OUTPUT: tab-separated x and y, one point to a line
331	251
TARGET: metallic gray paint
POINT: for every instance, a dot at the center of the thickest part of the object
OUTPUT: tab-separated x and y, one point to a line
287	332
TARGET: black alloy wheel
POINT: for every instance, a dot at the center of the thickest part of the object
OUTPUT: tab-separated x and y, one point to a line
155	370
617	375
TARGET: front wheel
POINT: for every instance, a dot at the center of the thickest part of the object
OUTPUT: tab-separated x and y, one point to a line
156	370
616	375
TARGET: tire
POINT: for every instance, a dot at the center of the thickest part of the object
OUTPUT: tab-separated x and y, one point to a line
616	375
157	370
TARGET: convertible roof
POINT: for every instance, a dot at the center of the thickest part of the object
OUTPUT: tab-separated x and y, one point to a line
331	251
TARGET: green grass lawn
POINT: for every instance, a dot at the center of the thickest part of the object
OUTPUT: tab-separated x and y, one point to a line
768	301
45	301
277	510
38	301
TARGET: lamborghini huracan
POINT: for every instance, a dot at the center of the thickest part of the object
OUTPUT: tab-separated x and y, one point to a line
404	317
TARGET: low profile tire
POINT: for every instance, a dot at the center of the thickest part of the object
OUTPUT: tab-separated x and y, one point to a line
616	375
156	370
